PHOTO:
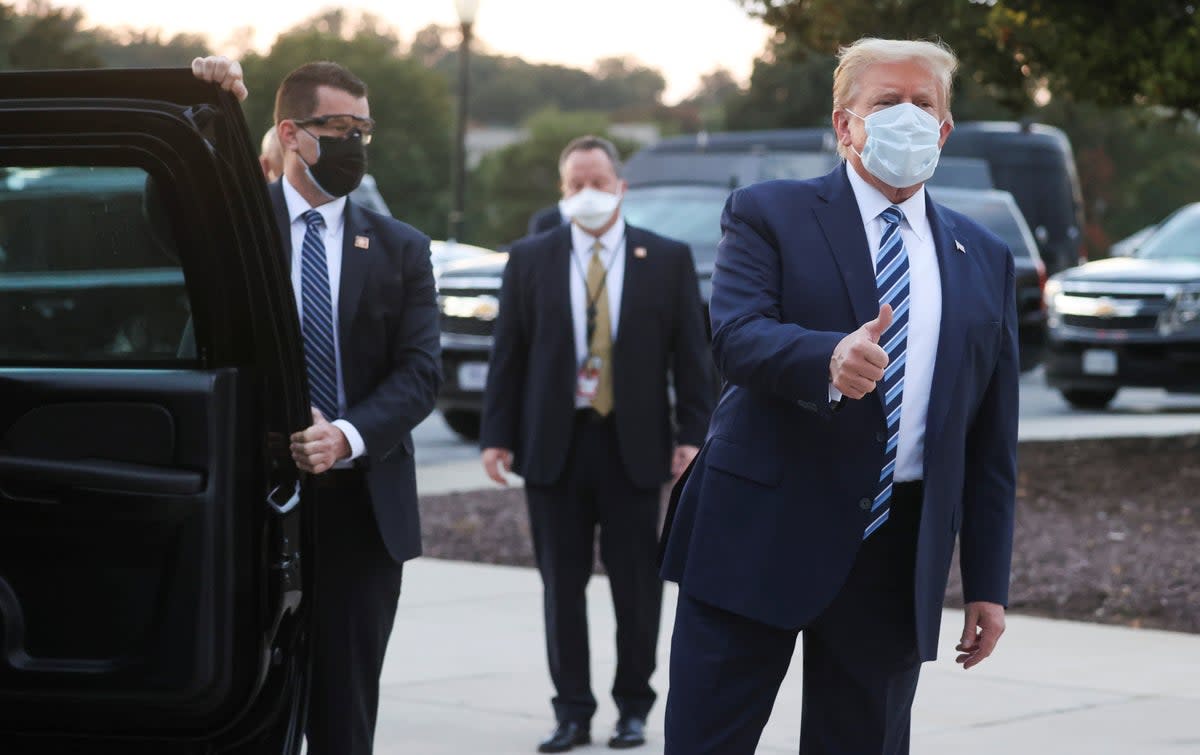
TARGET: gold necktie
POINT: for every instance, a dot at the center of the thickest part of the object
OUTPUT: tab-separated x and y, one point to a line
601	344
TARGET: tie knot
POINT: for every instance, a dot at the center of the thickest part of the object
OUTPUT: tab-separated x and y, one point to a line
314	220
597	247
892	215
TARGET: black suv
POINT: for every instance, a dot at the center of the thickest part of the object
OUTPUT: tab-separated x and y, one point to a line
1129	321
154	543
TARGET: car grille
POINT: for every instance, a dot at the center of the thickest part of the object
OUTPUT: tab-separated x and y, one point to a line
1118	310
1137	322
467	326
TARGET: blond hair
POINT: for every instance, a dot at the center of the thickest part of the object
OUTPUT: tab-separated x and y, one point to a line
856	58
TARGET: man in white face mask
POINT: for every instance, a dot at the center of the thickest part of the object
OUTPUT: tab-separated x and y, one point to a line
867	337
597	318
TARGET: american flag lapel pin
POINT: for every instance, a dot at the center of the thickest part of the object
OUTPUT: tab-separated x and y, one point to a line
958	245
362	242
640	252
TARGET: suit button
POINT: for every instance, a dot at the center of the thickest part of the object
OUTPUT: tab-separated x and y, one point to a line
864	504
880	436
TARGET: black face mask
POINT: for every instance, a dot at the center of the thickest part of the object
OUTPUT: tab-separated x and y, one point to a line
341	164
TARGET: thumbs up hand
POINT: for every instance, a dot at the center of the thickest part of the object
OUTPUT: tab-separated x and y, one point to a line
858	362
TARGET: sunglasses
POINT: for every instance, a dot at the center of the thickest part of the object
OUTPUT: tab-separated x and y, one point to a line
343	125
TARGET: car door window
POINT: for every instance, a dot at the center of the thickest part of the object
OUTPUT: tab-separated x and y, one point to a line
88	268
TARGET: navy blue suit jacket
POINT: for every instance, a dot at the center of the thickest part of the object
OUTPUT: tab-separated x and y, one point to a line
768	522
390	353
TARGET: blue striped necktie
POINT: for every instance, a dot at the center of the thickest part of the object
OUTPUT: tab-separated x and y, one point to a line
891	281
317	324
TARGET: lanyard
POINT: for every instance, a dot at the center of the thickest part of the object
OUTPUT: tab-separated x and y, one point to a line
590	298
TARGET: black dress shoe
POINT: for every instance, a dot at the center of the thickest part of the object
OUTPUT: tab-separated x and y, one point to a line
565	736
631	732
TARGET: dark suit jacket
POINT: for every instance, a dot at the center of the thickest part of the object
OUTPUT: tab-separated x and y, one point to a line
530	398
770	519
545	219
390	354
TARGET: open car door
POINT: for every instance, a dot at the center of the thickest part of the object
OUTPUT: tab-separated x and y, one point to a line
151	532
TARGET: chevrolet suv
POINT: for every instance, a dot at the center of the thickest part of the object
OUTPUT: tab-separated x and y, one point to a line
1129	321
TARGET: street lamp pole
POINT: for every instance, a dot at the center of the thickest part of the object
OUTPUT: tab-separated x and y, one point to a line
466	17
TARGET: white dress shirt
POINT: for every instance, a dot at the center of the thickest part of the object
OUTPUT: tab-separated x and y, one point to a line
613	257
334	214
924	314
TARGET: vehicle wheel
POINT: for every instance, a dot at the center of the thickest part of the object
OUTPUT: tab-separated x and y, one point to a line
1085	399
463	422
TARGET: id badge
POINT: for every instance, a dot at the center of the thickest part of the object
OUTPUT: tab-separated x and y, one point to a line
587	382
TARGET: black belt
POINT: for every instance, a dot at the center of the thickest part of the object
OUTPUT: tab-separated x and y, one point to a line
911	492
589	416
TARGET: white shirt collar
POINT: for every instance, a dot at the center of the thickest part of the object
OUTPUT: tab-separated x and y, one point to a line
871	202
297	205
581	240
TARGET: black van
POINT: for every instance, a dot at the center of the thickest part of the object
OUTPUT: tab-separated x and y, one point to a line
1033	162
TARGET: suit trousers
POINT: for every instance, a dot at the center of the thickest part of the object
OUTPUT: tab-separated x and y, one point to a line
595	491
357	590
860	660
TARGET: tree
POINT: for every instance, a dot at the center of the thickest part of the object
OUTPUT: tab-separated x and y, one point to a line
44	37
789	88
506	90
1112	53
1109	53
410	154
132	48
823	26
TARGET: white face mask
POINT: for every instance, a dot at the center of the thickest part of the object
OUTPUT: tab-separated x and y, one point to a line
902	145
590	208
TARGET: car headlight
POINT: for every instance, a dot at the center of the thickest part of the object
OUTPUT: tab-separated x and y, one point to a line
482	307
1050	294
1184	313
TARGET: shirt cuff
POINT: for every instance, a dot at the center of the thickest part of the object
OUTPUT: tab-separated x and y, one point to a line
357	446
834	394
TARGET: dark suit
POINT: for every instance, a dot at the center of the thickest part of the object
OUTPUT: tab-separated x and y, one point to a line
367	518
546	219
766	537
579	471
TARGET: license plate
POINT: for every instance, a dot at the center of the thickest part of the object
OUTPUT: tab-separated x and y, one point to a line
472	376
1100	362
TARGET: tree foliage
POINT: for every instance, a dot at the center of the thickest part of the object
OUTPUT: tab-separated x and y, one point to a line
410	154
43	36
823	26
1109	53
506	90
138	48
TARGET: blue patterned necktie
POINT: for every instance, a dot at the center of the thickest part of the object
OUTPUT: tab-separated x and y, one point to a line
317	323
891	281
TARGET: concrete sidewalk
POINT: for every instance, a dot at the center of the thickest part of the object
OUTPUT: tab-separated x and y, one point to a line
466	673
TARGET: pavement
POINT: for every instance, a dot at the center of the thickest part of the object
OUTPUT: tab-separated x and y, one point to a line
466	673
466	669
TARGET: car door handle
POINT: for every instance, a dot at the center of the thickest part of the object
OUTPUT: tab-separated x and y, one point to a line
101	474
